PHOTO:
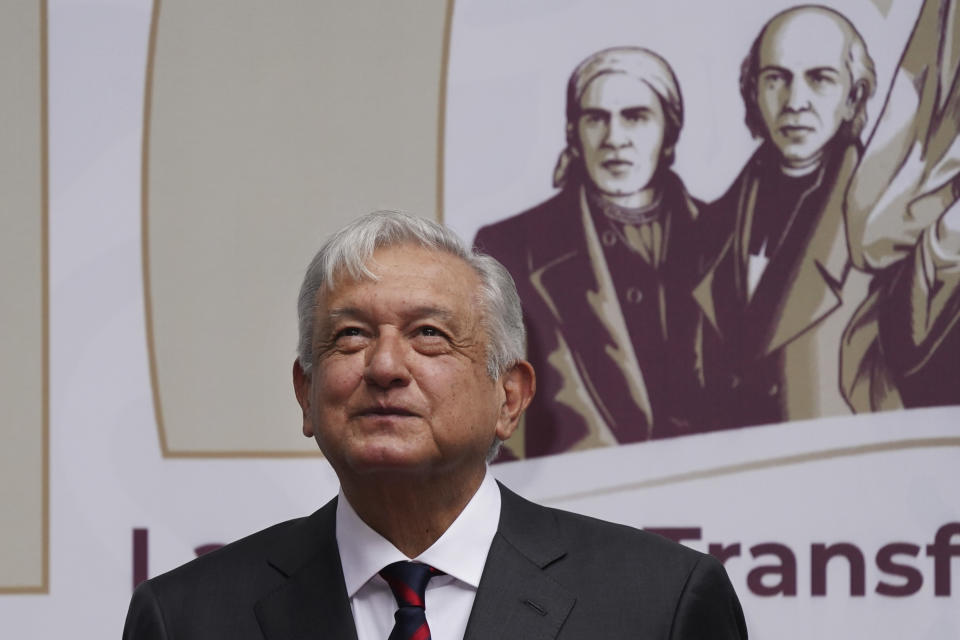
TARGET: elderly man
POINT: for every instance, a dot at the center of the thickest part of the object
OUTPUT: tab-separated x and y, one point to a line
605	267
779	291
410	370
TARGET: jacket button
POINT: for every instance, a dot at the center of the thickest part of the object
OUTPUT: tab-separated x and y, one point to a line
773	390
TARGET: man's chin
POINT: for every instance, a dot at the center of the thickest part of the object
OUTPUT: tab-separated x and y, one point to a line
389	460
799	155
618	190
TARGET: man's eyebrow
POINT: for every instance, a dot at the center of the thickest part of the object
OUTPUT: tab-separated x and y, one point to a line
823	69
341	313
431	312
637	109
773	67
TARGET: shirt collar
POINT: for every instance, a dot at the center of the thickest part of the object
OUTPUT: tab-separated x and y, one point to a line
460	552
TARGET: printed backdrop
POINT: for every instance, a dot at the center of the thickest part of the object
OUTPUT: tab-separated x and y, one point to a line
199	152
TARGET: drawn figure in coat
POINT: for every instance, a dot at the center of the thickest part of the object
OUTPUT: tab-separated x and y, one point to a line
604	267
779	289
902	349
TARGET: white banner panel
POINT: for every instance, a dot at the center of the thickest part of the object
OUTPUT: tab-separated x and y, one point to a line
842	526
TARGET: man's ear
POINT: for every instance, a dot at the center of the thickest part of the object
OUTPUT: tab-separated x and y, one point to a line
519	386
858	93
301	387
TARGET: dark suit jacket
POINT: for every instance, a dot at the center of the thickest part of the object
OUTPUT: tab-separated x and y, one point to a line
549	574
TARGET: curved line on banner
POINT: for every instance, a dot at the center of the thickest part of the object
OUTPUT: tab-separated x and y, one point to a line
755	465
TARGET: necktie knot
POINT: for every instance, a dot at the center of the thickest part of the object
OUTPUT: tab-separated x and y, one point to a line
408	581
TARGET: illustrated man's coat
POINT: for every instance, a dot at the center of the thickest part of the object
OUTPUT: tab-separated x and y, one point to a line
614	349
775	355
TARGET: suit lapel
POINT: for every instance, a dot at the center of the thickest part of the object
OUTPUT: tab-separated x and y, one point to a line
577	287
814	290
313	603
816	296
703	292
725	278
516	598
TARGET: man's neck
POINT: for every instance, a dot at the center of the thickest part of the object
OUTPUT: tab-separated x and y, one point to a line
800	168
410	510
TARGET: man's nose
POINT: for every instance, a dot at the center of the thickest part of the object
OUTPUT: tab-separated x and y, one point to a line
386	364
798	96
616	134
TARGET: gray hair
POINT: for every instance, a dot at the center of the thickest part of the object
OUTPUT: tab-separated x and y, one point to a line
349	250
859	64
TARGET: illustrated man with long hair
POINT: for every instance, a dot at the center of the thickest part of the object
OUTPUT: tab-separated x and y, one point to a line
605	267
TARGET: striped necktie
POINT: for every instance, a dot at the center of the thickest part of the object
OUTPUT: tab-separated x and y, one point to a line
408	581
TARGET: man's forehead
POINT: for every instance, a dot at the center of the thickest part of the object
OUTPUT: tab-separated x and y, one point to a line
804	39
617	90
421	279
349	272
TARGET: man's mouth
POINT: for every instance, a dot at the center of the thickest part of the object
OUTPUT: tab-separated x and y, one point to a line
790	130
385	410
616	164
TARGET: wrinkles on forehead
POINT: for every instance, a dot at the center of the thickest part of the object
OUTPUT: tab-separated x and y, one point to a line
338	314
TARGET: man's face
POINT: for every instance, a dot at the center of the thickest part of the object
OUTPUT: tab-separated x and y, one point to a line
803	86
399	381
620	130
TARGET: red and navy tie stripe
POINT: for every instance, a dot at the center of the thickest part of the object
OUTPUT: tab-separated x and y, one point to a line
408	581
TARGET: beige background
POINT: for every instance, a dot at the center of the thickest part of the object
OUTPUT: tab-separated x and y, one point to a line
265	130
22	315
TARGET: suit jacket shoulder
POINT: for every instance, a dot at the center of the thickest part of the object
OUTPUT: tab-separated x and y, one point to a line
555	574
282	582
549	574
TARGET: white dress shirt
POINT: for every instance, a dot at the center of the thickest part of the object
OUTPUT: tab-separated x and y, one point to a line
460	552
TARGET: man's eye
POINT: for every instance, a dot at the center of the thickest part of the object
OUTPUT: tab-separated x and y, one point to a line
431	332
773	80
349	332
821	79
430	340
